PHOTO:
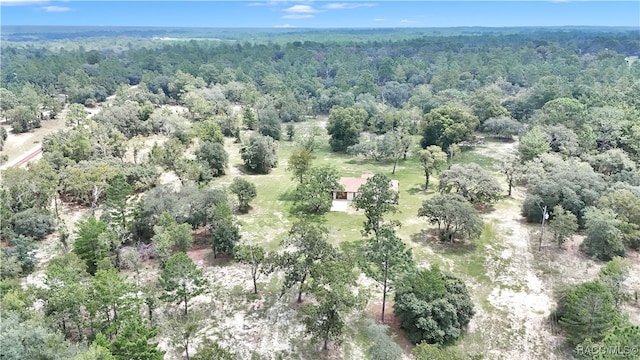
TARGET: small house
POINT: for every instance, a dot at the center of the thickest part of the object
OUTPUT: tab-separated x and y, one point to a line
352	185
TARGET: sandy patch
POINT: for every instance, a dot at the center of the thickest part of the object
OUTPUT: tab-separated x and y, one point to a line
519	293
19	145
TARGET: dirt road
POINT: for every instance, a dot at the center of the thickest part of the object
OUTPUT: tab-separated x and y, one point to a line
33	154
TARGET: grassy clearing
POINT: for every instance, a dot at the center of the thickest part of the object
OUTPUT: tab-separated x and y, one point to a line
478	263
272	213
469	155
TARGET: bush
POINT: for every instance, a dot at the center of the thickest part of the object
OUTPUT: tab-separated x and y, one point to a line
432	306
33	223
23	249
9	265
605	239
212	350
383	347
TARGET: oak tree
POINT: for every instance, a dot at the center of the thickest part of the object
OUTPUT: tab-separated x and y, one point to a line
344	126
245	191
306	245
433	306
313	194
454	215
377	198
432	159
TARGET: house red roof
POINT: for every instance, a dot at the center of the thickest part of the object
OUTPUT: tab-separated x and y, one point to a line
352	184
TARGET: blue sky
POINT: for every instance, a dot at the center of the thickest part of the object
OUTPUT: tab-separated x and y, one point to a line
321	14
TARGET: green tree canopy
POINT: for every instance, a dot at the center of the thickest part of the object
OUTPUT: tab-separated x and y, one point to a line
181	281
30	340
447	125
269	123
572	184
502	127
209	350
377	198
254	256
624	338
426	351
135	341
472	182
386	257
225	233
260	154
245	191
532	144
117	194
432	159
587	312
605	239
24	250
112	301
314	193
454	215
306	245
90	246
67	293
299	162
433	306
214	157
614	274
344	126
333	287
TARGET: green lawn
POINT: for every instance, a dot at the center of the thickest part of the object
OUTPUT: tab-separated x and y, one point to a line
469	155
271	216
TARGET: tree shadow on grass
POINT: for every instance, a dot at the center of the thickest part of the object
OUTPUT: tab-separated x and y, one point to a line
431	237
220	260
415	190
289	195
498	139
484	208
309	218
357	161
241	169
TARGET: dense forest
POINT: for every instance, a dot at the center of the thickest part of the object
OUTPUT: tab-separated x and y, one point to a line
182	206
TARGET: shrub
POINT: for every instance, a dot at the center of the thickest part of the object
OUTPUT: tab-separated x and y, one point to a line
33	223
433	307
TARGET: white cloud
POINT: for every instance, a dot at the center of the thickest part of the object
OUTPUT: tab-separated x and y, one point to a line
407	21
268	3
301	9
298	16
55	9
284	26
340	6
378	19
21	2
